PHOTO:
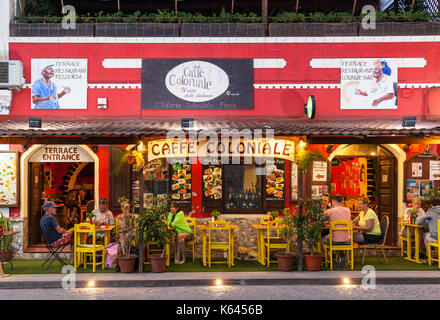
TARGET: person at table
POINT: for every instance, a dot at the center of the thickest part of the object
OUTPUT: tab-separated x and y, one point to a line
55	235
102	217
122	225
325	203
176	219
367	223
415	205
338	212
430	219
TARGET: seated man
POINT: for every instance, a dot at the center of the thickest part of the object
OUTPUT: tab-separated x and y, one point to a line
55	235
339	237
368	224
103	216
430	219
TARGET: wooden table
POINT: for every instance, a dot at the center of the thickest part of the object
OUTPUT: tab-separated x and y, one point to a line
3	236
204	229
416	228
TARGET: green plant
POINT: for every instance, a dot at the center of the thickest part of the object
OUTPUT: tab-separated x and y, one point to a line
215	213
304	158
152	222
90	215
312	221
7	226
290	221
274	214
127	230
287	17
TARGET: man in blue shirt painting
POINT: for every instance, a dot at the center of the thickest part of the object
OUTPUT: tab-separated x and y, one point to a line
44	91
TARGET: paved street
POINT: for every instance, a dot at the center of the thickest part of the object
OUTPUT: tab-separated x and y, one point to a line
297	292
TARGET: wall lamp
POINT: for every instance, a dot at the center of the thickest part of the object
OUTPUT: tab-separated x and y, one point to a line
187	122
409	122
35	122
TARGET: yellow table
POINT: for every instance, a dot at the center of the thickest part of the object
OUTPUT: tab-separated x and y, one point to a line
204	229
260	241
106	230
416	228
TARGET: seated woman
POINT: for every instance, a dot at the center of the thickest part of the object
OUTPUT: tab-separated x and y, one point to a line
368	224
176	219
122	226
415	205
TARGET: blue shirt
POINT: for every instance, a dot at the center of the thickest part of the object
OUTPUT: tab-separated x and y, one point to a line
39	88
47	225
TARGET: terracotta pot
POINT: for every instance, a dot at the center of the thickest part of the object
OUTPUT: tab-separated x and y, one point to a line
6	255
313	262
285	261
158	262
127	263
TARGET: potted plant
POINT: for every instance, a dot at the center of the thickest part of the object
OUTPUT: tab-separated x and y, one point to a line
90	216
127	233
285	260
215	214
412	215
152	226
5	245
274	214
313	223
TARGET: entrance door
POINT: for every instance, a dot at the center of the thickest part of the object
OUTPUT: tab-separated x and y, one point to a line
36	190
387	196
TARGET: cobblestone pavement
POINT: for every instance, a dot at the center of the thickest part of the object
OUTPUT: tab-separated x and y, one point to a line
297	292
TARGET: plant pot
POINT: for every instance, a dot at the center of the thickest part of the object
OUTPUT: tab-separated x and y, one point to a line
50	30
285	261
300	29
127	263
313	262
158	262
6	255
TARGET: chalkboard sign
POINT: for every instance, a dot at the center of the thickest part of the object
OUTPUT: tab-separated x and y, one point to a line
275	184
9	179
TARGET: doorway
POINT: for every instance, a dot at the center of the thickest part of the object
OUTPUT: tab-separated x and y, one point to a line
371	171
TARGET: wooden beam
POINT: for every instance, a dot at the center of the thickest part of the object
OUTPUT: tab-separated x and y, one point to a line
373	140
296	7
264	10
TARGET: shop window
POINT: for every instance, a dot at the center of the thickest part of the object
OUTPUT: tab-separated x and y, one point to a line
243	192
156	176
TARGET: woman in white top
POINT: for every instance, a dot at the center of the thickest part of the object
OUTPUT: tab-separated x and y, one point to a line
420	213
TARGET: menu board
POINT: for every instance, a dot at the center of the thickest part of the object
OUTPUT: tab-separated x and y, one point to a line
422	173
212	185
8	179
275	183
181	178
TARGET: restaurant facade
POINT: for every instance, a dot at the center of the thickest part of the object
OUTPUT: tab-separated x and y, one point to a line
219	122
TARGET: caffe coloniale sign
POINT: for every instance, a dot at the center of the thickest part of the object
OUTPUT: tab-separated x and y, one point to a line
197	84
256	148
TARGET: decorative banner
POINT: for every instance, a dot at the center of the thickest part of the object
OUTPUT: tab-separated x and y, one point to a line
257	148
368	83
320	171
434	170
8	179
197	84
68	83
61	153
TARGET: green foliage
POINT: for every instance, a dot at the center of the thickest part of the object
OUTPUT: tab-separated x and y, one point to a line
126	229
215	213
287	17
7	226
39	8
152	222
291	221
90	215
274	214
311	222
304	158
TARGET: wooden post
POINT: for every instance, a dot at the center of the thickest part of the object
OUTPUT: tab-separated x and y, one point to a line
354	8
232	7
412	5
141	255
175	7
298	239
297	5
119	6
264	10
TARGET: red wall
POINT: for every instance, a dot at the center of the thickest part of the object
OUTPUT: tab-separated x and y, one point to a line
272	102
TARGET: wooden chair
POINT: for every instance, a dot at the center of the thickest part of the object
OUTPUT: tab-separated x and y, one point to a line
384	223
225	226
82	250
192	244
339	225
434	245
403	240
275	243
90	206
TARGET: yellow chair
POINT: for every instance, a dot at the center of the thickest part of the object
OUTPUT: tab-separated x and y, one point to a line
149	250
435	245
339	225
192	224
82	250
265	220
276	243
404	239
216	245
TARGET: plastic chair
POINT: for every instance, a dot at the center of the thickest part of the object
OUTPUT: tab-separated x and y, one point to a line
274	242
339	225
54	250
220	245
384	223
434	245
82	250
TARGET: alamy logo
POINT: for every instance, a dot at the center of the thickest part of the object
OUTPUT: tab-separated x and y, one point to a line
69	21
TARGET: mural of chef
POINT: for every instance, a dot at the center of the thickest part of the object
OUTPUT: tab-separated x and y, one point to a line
44	91
382	87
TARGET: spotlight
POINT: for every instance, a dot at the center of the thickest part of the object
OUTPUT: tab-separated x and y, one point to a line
346	280
35	122
218	282
409	122
91	284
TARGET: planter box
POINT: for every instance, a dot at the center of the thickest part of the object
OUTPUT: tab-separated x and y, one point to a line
222	30
402	29
137	30
312	29
50	30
